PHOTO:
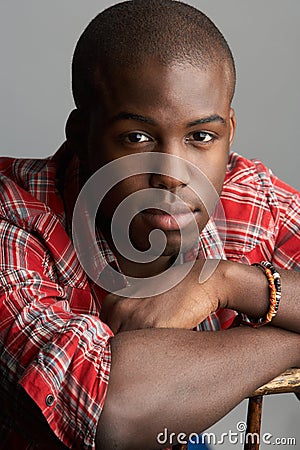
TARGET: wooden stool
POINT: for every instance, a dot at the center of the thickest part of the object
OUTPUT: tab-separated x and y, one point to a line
288	381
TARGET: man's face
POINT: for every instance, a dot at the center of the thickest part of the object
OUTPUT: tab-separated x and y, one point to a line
179	110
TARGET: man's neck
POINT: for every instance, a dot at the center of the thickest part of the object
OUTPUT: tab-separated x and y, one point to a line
144	270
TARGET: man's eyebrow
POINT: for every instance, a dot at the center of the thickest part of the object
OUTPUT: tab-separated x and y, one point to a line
138	117
213	118
132	116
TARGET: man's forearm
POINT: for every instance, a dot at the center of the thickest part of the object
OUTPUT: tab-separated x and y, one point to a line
247	292
185	381
232	285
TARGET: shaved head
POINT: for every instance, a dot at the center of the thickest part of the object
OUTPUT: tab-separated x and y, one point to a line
128	34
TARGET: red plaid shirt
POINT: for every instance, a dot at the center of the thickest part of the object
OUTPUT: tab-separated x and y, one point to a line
52	341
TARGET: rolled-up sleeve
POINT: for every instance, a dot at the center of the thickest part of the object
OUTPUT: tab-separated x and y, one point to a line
60	357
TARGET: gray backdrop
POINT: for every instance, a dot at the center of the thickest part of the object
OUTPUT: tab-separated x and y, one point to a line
37	40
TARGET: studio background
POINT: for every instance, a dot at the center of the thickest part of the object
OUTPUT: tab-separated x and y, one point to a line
37	39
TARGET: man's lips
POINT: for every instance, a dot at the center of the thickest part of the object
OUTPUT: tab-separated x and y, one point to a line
176	218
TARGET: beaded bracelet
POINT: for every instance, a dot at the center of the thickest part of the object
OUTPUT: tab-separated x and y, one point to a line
274	281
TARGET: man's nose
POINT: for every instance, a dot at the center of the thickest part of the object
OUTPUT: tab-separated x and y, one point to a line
171	171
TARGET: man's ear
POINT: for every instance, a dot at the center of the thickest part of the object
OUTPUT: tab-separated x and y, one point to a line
232	119
77	132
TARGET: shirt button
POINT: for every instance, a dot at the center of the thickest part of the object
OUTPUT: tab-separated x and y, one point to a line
49	400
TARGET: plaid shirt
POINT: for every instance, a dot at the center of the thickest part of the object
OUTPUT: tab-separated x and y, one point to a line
53	344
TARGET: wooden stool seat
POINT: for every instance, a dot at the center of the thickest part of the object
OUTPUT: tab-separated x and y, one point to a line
288	381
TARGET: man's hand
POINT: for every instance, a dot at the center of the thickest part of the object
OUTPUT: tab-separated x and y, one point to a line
232	285
183	306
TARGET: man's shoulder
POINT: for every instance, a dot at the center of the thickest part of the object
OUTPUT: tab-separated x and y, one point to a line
253	174
24	187
22	171
262	213
241	170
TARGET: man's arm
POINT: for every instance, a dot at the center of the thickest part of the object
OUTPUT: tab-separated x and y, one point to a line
60	357
232	285
185	381
247	292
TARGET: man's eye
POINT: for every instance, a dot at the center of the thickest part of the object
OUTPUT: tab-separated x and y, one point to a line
201	136
134	138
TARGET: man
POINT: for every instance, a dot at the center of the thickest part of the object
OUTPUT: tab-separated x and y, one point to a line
149	77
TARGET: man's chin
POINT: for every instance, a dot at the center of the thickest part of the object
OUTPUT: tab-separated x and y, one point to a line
173	247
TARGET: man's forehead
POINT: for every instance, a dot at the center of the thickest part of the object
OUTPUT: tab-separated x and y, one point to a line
152	83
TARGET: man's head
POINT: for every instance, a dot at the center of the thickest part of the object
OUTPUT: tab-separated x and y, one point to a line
132	32
154	76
